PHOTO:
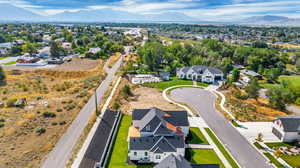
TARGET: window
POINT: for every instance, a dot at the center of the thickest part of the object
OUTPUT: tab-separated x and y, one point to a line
146	153
134	153
157	156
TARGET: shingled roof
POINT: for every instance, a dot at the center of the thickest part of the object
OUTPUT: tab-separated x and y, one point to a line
158	121
174	161
290	123
201	68
158	144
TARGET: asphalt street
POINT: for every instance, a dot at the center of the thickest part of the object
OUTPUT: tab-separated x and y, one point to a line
62	151
202	101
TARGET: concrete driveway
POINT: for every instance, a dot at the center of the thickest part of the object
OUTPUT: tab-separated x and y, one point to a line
202	101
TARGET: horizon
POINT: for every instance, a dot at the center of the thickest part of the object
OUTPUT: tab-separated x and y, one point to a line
217	11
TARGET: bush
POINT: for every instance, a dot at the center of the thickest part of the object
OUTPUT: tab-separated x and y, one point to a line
297	101
59	110
10	102
49	115
1	124
40	131
62	123
69	107
116	105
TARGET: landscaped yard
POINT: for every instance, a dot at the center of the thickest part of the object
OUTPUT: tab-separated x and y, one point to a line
203	156
294	80
11	63
118	157
277	144
196	137
257	145
273	160
222	149
294	161
173	82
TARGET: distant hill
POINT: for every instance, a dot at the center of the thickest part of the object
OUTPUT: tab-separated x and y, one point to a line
12	13
272	20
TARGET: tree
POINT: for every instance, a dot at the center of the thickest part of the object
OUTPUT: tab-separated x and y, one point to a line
2	76
29	48
272	75
235	75
54	49
253	88
259	44
279	97
2	39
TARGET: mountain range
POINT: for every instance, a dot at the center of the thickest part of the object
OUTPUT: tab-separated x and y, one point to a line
10	13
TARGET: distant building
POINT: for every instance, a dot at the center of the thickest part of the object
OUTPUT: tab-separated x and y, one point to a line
200	73
287	128
250	73
44	52
94	50
164	76
144	78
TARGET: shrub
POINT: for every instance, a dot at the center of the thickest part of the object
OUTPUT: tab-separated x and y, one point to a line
116	105
54	123
1	124
49	115
69	107
10	102
62	123
40	131
297	101
59	110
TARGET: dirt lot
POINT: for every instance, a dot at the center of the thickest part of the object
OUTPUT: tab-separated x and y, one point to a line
143	98
54	97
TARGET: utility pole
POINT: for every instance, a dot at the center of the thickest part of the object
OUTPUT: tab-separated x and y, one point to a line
96	102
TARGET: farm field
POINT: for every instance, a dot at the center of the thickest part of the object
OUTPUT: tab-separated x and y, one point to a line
53	100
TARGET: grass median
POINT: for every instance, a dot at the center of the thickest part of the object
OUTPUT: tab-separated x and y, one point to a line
222	149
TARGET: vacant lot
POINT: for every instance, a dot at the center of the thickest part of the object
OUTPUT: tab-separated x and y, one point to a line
54	97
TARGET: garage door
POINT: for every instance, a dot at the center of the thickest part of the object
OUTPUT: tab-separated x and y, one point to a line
277	133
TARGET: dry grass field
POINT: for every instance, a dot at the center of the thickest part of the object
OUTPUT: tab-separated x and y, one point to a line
54	98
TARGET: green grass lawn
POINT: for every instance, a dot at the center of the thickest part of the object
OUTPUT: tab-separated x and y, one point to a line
273	160
203	156
278	144
11	63
2	58
195	136
257	145
294	80
118	156
222	149
294	161
173	82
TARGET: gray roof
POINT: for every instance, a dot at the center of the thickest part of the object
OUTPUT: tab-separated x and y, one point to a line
157	143
164	73
201	68
290	123
156	121
250	73
173	161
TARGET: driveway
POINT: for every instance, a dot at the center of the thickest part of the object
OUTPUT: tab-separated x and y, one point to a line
62	151
202	101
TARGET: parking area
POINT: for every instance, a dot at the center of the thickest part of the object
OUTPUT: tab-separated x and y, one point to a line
250	130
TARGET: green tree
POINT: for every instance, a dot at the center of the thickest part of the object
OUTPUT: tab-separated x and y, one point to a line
54	49
2	76
235	75
29	48
279	97
2	39
253	88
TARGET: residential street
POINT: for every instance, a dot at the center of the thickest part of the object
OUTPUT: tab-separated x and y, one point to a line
61	153
203	102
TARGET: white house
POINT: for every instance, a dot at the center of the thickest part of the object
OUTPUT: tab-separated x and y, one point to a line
144	78
155	149
287	128
94	50
200	73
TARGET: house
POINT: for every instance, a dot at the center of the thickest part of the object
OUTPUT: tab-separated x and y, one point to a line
144	78
155	122
44	52
287	128
200	73
165	76
174	161
155	149
94	50
250	73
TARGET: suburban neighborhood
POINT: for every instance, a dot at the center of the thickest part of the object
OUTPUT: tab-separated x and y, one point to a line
140	84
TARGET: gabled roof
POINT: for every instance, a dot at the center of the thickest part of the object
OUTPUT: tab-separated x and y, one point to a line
174	161
157	143
290	123
201	68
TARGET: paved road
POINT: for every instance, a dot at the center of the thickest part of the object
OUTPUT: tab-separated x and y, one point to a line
62	151
97	145
203	102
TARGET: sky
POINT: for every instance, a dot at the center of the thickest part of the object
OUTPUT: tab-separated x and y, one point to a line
213	10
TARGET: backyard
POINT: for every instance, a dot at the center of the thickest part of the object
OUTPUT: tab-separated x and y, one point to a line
203	156
173	82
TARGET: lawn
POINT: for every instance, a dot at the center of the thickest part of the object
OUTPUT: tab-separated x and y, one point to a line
11	63
294	80
3	58
222	149
278	144
195	136
203	156
257	145
294	161
118	157
173	82
273	160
